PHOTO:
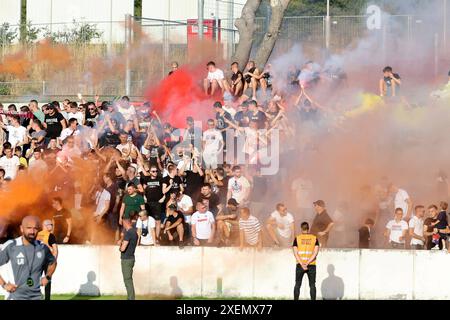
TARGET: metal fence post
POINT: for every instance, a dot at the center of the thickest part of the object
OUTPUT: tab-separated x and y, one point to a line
201	4
444	34
327	27
127	54
164	52
436	54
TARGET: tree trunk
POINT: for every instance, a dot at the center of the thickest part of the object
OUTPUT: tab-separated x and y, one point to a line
264	51
246	28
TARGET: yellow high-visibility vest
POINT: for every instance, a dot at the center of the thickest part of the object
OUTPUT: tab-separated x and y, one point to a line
43	236
305	247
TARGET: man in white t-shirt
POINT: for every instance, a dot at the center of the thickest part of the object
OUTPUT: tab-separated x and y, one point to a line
203	225
145	226
75	113
102	199
10	163
396	230
126	109
215	79
71	130
185	206
416	228
212	145
280	226
401	200
17	133
238	187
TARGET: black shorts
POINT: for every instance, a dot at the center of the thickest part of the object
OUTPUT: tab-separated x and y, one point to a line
154	210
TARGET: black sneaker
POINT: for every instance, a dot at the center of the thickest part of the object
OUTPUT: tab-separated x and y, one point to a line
181	244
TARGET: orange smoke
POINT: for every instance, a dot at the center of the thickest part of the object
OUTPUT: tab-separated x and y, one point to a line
17	64
57	56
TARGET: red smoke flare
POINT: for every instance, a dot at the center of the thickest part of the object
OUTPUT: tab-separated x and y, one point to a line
181	95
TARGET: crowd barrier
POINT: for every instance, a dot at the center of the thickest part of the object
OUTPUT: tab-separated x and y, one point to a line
269	273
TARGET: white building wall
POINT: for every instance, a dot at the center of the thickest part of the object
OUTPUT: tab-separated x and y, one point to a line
108	15
346	274
182	10
10	12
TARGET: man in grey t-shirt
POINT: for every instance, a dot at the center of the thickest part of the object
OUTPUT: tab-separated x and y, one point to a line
29	259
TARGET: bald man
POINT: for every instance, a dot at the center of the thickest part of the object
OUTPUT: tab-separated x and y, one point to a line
29	259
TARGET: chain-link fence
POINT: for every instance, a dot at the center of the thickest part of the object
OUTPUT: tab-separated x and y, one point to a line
98	50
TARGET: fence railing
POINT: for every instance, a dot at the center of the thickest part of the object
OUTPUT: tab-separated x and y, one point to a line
167	41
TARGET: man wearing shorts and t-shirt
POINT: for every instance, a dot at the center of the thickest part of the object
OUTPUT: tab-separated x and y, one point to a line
154	196
203	225
215	79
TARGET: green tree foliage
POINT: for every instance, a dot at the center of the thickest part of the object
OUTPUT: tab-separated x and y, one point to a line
80	33
7	34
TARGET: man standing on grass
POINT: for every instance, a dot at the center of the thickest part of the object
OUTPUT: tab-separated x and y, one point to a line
305	248
127	249
29	259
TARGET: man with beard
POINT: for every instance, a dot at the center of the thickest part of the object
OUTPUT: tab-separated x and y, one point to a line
152	185
29	259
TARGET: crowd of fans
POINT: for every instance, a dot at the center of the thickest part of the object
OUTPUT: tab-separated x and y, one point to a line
173	183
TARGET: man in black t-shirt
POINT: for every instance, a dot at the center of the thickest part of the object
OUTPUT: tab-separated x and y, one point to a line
242	117
112	215
221	122
364	234
172	182
322	223
257	115
214	204
54	123
127	249
390	83
154	196
174	227
62	221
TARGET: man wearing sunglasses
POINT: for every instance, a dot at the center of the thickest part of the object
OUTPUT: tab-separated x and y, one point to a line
152	185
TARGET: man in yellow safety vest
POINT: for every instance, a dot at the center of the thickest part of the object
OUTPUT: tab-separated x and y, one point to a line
305	248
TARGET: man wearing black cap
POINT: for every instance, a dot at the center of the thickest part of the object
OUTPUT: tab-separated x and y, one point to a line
322	223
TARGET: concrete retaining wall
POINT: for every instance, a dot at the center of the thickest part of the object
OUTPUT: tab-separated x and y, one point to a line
211	272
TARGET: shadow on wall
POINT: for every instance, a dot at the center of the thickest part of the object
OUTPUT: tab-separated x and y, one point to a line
332	287
176	291
89	288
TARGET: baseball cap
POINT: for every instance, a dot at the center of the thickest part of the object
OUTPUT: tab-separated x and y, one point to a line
319	203
172	206
47	222
233	202
217	104
189	119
